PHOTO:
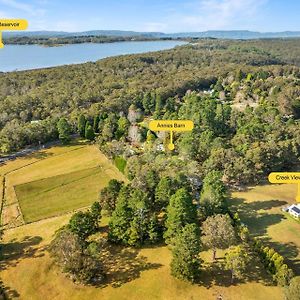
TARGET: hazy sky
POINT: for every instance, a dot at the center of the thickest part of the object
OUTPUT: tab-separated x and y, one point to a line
155	15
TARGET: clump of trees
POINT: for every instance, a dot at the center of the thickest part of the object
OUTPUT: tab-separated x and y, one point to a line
109	195
16	135
85	224
133	222
213	195
64	130
163	191
70	254
70	248
85	128
180	212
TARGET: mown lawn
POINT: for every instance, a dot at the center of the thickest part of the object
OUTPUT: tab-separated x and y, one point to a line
37	156
59	194
74	174
260	209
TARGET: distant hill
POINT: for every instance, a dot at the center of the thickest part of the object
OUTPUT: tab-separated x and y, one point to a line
84	33
221	34
237	34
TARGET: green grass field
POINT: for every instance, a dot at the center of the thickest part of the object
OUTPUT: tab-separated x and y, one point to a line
54	181
260	209
59	194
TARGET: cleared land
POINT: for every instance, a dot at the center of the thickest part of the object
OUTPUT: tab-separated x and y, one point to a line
54	181
28	271
260	208
59	194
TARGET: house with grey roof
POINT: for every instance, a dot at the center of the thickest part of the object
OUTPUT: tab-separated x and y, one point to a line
294	210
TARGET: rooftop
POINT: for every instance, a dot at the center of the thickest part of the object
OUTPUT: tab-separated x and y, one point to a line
296	209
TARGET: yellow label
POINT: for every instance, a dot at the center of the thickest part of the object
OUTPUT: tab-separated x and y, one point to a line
171	125
285	177
13	24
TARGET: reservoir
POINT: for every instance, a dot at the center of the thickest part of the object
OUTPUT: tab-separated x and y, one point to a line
26	57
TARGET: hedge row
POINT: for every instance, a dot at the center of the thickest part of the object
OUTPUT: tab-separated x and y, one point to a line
272	260
274	263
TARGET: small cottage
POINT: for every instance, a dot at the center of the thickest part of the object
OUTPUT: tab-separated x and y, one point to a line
294	210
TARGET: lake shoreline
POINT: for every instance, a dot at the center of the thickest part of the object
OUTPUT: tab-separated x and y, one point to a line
18	58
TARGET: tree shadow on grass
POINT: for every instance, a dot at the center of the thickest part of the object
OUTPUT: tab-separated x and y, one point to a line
215	274
124	265
14	251
7	292
266	205
289	251
256	205
40	155
254	216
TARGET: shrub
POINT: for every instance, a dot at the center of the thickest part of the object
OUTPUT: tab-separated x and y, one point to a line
68	252
284	275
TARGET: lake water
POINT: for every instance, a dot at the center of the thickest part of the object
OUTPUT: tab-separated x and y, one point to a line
25	57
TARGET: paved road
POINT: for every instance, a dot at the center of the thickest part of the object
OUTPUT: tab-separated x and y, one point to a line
25	152
30	150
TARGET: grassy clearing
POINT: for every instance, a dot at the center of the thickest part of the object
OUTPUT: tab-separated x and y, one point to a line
260	208
63	169
22	169
37	156
59	194
73	158
132	274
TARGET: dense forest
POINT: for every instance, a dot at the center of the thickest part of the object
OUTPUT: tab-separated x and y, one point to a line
242	95
56	41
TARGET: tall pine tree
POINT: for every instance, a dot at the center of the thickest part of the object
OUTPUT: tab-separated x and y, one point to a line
213	195
81	125
163	192
89	132
96	123
64	130
180	212
185	264
119	225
